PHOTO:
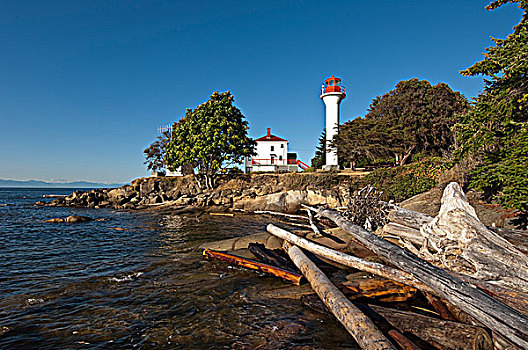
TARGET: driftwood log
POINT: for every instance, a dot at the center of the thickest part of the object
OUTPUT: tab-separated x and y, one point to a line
356	323
267	256
348	260
492	313
379	288
427	332
290	276
441	334
407	224
460	242
402	341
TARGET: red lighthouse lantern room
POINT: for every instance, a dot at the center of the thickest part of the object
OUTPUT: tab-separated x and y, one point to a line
332	84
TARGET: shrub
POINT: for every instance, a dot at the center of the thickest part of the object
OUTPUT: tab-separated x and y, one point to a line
403	182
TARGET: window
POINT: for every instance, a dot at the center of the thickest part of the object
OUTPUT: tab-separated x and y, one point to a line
282	145
272	148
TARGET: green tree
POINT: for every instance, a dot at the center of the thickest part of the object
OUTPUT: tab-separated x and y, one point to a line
155	153
495	132
361	139
319	158
414	117
212	137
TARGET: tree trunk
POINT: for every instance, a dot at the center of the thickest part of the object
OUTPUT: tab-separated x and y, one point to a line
356	323
492	313
407	155
293	277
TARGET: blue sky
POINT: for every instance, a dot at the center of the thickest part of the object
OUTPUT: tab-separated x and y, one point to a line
84	85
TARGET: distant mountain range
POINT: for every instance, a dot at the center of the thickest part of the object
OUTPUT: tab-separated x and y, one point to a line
72	184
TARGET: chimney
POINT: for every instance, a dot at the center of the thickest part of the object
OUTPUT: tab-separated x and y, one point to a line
269	132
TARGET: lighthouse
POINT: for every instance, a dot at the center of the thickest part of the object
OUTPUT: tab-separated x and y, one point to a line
332	93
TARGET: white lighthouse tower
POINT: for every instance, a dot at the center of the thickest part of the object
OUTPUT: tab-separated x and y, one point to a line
332	93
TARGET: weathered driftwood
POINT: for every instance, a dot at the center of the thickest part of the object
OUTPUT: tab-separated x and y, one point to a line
516	237
379	288
267	256
348	260
312	224
405	232
427	332
441	334
409	218
440	307
290	276
356	323
459	241
492	313
414	220
407	228
402	341
293	216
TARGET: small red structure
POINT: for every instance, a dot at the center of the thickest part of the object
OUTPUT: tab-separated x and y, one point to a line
332	84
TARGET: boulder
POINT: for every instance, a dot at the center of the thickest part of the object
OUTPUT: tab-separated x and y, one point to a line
77	218
54	221
285	202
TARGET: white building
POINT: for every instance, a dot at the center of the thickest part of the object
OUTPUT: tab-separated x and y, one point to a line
272	155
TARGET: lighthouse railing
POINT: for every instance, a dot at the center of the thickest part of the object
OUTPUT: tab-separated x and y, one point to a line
333	88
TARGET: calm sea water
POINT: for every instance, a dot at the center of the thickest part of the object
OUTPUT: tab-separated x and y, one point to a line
88	285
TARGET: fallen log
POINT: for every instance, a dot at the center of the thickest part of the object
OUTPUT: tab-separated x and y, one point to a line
293	216
348	260
411	234
379	288
406	219
440	307
290	276
356	323
414	220
492	313
441	334
409	218
269	257
425	331
402	341
458	240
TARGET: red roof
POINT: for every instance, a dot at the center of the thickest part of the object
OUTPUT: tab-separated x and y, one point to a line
270	137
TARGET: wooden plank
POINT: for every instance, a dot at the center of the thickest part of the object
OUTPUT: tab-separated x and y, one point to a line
290	276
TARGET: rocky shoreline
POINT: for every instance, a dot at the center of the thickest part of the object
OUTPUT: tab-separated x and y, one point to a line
277	192
251	192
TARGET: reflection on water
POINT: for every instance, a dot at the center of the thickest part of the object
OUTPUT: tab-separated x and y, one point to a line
87	285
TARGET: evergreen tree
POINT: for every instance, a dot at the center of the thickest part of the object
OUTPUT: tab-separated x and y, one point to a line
414	117
319	158
495	132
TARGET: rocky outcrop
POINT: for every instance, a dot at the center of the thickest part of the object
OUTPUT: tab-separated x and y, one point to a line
277	192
